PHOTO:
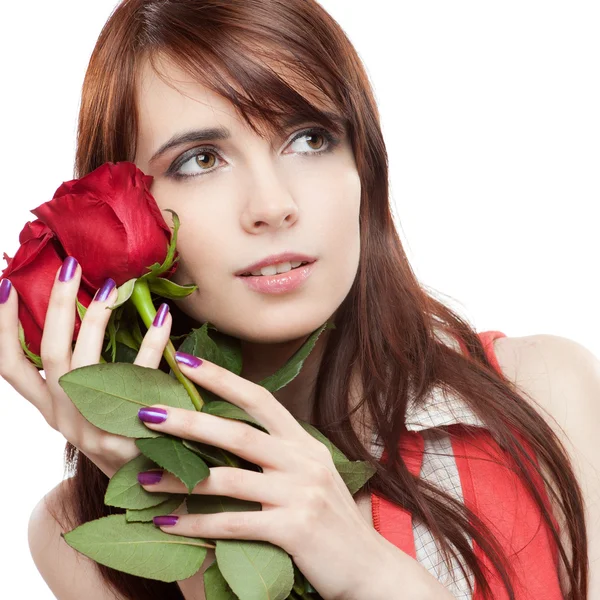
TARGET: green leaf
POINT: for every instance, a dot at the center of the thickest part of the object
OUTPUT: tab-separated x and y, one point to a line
213	456
81	309
124	490
299	587
208	504
309	588
169	289
164	508
34	358
112	328
172	455
222	352
293	366
110	395
140	549
336	454
199	343
215	586
255	570
354	473
227	410
124	354
216	347
207	396
124	293
230	349
136	331
125	338
117	332
156	269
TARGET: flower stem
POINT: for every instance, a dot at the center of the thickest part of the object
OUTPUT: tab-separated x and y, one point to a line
143	302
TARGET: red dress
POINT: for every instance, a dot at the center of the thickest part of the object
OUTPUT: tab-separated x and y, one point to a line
497	496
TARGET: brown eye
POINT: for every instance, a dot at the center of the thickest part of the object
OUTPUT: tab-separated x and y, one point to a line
318	139
310	136
201	159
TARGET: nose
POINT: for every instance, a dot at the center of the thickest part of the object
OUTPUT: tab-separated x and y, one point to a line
270	205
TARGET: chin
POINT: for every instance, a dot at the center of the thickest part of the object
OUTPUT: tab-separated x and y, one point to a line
273	327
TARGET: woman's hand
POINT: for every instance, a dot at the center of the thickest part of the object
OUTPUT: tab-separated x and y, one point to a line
307	508
107	451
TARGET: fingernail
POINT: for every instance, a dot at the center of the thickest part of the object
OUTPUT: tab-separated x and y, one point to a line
5	290
188	359
165	520
161	315
104	292
152	415
68	269
149	477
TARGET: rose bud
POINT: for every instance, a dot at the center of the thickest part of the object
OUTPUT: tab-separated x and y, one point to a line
110	222
32	272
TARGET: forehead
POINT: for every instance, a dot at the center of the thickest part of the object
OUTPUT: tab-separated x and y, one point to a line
171	99
167	105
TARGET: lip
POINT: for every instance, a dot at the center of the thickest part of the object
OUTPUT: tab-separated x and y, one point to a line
276	259
280	283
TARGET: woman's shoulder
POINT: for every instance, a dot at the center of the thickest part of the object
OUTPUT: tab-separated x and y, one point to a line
66	572
561	375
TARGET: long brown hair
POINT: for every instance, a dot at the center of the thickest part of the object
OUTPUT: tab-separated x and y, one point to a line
385	326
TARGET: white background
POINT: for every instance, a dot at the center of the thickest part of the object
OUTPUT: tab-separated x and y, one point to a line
490	114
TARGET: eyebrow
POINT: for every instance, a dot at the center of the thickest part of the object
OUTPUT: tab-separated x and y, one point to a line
222	133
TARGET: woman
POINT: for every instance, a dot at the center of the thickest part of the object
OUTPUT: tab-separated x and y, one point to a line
163	68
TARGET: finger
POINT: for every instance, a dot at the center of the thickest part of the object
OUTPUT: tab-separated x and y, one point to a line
253	398
59	324
15	367
56	352
88	349
222	481
240	438
90	338
155	340
253	525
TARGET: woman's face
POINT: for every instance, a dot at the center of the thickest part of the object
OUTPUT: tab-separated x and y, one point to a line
245	198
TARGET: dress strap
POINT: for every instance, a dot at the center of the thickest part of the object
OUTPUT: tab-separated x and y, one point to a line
487	339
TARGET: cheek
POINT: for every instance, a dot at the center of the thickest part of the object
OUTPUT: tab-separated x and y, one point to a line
197	245
341	210
337	228
351	224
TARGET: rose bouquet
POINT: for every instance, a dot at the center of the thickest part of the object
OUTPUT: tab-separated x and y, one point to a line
111	224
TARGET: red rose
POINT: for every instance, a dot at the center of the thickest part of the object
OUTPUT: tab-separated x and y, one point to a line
32	272
110	223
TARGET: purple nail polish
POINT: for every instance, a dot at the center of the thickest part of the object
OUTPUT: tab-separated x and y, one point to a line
149	477
165	520
188	359
104	292
68	269
152	415
5	287
161	315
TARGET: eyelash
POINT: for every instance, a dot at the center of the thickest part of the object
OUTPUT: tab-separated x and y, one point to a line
332	142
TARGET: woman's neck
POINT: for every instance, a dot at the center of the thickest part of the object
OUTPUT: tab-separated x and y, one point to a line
262	360
298	396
